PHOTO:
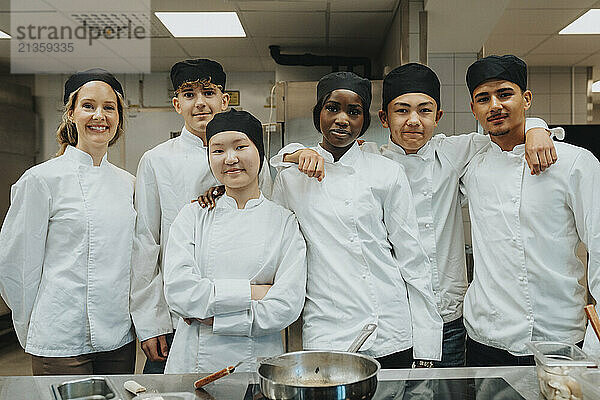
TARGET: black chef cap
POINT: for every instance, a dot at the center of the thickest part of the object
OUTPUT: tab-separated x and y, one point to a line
508	67
410	78
343	80
197	70
238	121
79	79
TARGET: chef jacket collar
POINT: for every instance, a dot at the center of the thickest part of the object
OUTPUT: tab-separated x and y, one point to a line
347	160
227	202
518	150
424	152
191	139
81	157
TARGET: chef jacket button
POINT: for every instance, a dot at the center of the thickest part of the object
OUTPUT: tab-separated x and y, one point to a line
514	239
347	202
364	277
514	199
424	192
351	240
427	226
430	259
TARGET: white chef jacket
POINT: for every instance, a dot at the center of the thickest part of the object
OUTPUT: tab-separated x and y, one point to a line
528	282
65	256
211	260
169	176
436	169
366	263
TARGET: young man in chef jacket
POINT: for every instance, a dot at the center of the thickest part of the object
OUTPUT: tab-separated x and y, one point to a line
411	110
528	283
169	176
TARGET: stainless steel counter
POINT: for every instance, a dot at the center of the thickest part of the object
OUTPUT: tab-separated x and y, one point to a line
233	387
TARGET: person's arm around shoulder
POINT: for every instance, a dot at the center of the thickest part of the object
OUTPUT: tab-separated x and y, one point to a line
403	233
309	161
149	310
460	149
23	238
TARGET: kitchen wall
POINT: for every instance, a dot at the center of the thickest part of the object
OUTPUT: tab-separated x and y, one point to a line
555	90
145	127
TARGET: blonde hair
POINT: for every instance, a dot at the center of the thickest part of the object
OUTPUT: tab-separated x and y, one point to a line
66	134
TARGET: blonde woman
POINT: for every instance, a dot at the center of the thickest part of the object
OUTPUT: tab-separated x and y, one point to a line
65	246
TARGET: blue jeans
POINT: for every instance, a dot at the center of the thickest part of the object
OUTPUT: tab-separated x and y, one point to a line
453	345
158	367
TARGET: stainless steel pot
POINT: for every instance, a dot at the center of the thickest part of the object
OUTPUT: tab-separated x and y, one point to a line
307	375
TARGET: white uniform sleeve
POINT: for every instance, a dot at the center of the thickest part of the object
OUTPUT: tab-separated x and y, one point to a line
277	160
149	310
460	149
584	197
265	183
188	293
403	233
23	239
284	301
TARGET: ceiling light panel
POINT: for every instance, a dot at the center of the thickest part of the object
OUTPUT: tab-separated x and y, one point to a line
202	24
587	24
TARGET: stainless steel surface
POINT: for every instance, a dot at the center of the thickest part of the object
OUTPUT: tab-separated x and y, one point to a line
233	387
93	388
366	331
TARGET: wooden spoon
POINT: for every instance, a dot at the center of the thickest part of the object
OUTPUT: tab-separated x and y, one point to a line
594	320
217	375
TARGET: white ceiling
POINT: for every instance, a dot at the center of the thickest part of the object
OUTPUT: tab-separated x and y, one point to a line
527	28
325	27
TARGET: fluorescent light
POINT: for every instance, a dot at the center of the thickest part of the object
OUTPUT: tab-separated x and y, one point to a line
4	35
202	24
587	24
596	87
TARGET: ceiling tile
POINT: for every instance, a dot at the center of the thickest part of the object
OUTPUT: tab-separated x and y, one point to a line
361	5
192	5
241	63
569	44
532	22
282	5
553	59
163	64
359	25
512	44
298	24
219	46
166	47
548	4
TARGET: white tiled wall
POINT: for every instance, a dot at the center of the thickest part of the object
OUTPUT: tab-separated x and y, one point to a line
552	99
451	69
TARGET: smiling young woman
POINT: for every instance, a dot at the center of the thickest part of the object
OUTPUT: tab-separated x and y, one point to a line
236	273
67	239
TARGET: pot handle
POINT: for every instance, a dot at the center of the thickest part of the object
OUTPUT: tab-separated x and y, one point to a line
366	331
